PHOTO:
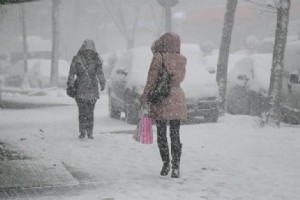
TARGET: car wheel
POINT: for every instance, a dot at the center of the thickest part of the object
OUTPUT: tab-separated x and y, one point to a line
114	112
132	114
237	101
289	117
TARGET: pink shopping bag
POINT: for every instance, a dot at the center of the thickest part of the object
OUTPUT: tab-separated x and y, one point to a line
147	132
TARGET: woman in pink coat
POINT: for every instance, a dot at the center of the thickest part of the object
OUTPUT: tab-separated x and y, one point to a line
172	109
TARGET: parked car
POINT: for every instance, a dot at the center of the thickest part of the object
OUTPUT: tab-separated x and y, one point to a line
248	84
129	77
39	71
291	84
267	44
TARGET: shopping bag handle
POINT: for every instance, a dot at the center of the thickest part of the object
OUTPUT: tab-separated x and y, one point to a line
144	111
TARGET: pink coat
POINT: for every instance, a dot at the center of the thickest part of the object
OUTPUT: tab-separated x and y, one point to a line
174	106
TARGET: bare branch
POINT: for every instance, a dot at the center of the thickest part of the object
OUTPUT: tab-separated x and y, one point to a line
275	3
115	19
125	16
136	20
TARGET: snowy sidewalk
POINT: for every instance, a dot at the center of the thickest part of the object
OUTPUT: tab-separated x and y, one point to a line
233	159
22	174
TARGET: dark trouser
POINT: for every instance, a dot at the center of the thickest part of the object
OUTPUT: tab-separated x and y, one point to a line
162	141
86	115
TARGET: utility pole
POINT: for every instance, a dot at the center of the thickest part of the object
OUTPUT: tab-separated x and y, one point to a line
167	5
24	38
25	82
55	43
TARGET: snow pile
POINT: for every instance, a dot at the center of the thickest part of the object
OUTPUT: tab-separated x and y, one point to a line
292	57
46	96
262	64
41	67
37	44
257	68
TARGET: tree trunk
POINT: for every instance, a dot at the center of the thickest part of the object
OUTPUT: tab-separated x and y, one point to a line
168	19
273	113
24	38
130	43
119	13
224	52
25	79
55	43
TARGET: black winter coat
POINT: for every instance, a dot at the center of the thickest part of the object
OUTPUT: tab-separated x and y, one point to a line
87	67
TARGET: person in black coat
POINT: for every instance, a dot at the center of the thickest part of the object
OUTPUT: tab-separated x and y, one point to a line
84	77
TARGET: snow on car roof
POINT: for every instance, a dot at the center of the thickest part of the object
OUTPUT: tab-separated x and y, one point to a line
43	67
36	43
292	57
256	67
262	64
211	61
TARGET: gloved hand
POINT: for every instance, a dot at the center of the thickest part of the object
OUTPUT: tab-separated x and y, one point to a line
145	110
145	107
71	91
102	87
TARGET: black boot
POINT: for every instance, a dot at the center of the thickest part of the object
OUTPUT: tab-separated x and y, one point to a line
176	154
82	134
165	169
90	134
165	157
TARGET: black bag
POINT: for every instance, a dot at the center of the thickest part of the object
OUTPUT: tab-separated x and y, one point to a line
162	87
72	90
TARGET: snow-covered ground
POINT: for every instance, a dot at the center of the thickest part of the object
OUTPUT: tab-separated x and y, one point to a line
233	159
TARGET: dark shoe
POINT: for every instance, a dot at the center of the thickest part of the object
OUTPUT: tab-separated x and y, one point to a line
165	169
164	154
176	155
90	134
91	137
82	135
175	173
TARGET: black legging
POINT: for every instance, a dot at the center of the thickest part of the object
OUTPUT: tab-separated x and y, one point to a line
86	115
162	132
